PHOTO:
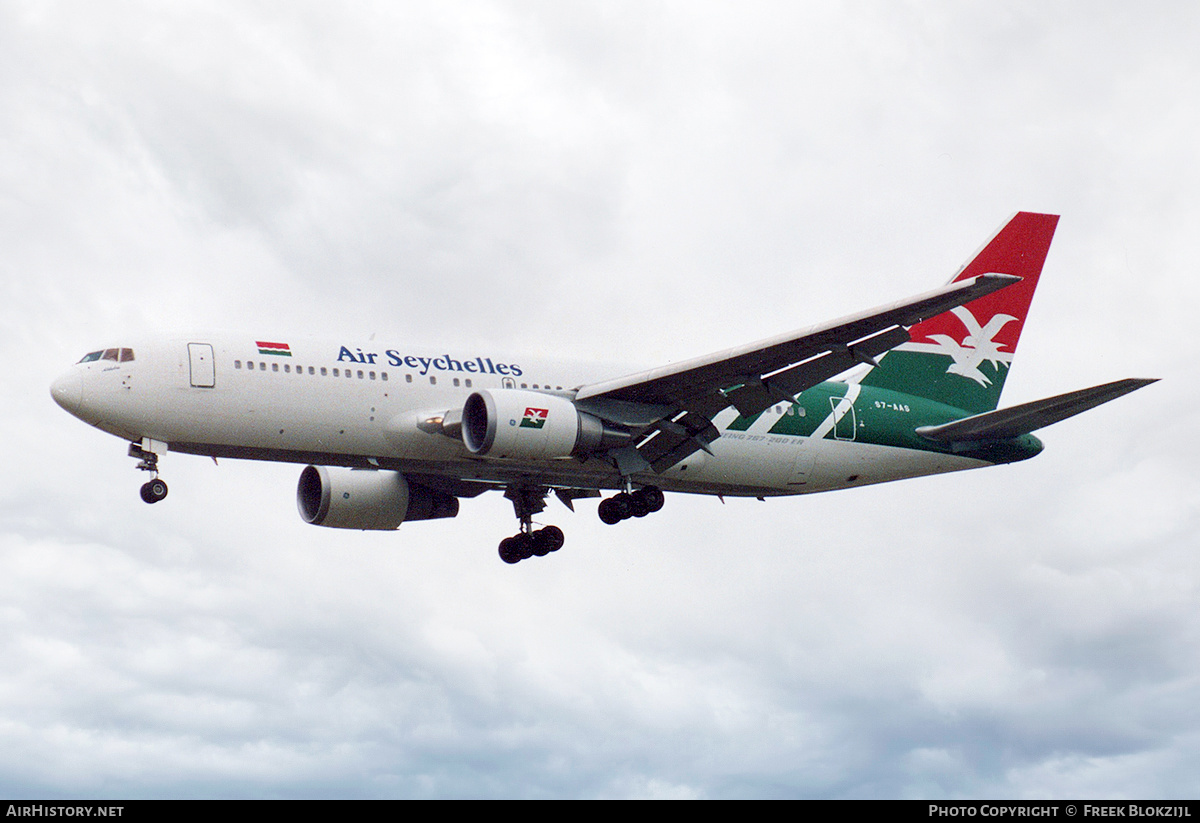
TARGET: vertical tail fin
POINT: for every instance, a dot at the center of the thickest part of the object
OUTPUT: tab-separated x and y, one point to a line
961	357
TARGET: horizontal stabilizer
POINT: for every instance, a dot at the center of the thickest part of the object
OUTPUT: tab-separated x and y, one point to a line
1003	424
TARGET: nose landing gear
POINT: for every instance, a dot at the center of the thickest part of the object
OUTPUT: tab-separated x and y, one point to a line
155	489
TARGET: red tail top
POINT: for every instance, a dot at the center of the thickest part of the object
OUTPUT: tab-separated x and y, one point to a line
1019	248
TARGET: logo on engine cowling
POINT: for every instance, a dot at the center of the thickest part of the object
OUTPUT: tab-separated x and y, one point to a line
534	418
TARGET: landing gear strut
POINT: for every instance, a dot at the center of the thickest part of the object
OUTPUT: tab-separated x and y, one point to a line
154	489
628	504
528	501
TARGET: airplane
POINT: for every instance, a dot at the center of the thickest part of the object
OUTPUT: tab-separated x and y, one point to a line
392	434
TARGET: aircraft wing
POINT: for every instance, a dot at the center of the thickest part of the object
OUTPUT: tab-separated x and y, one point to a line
675	404
1014	421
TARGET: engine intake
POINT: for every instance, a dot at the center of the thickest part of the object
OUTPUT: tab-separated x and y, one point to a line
526	425
367	499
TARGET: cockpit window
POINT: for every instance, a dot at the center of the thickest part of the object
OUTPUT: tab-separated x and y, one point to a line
120	355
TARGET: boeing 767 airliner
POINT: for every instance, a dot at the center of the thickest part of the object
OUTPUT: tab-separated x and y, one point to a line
392	433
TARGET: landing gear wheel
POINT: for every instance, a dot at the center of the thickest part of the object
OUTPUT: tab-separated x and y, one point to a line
549	539
654	497
154	491
625	505
524	545
528	501
538	546
508	550
608	511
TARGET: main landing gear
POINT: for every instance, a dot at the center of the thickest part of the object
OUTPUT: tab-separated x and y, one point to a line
631	504
528	501
154	489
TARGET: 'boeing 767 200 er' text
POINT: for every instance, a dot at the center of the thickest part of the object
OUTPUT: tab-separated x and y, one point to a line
393	434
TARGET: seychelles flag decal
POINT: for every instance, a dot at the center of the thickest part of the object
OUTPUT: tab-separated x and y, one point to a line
534	418
279	349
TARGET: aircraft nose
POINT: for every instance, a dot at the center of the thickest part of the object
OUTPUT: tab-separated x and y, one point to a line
67	392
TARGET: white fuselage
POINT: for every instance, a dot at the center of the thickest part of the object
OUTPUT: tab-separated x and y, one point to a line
332	403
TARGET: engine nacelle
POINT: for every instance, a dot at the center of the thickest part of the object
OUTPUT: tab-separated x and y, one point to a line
525	425
367	499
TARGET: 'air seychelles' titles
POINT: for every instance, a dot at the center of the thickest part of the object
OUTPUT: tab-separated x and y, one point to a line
474	365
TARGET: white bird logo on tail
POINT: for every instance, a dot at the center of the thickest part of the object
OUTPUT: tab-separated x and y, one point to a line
977	347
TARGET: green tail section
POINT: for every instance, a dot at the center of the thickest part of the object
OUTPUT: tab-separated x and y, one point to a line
962	357
928	374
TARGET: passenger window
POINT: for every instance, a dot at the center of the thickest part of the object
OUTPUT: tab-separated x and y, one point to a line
383	375
324	372
336	373
274	367
262	366
287	368
456	381
359	374
311	370
237	364
371	375
468	382
408	378
432	380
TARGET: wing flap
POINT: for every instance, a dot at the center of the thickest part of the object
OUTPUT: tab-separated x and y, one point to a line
677	439
1014	421
755	397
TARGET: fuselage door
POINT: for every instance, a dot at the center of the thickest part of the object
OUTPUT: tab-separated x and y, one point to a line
845	427
802	467
200	357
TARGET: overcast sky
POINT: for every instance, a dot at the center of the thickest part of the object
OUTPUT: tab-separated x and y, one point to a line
630	183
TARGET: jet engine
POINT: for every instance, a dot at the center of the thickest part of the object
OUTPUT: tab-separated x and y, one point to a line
525	425
367	499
